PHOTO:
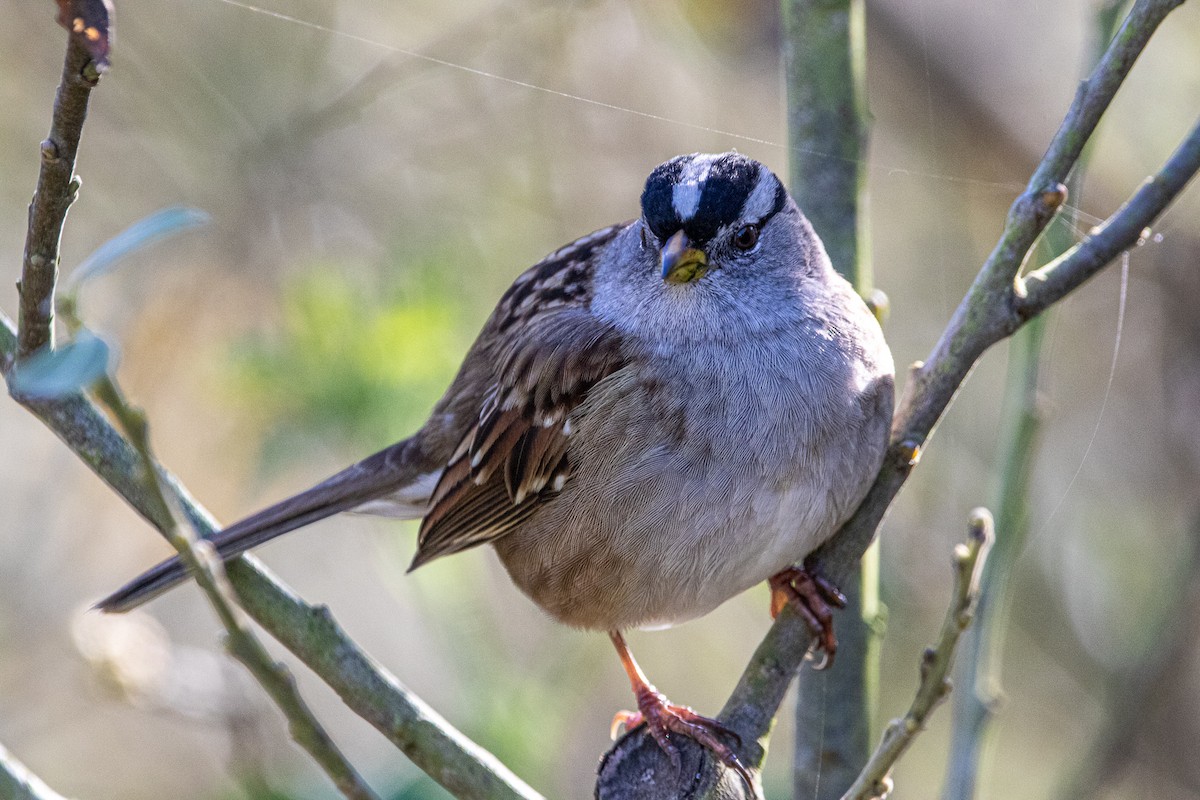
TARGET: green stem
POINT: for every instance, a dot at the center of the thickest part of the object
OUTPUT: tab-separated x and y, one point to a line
825	72
974	706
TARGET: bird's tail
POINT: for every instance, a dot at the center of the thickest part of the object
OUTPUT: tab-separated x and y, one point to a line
388	474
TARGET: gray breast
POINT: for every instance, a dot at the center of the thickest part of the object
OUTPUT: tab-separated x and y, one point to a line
679	500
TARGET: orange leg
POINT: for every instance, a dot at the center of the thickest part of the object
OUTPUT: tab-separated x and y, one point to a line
811	594
662	718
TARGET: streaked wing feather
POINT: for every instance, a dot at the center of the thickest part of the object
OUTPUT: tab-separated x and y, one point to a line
518	450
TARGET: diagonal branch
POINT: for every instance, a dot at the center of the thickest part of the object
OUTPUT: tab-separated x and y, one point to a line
206	567
18	783
310	632
987	314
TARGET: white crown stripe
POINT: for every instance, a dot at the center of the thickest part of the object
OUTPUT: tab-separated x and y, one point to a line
685	196
761	201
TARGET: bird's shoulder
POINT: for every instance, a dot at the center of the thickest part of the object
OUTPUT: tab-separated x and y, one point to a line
505	435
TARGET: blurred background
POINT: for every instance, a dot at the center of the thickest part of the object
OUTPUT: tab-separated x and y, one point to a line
368	209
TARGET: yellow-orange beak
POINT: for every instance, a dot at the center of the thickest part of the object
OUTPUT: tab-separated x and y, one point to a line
682	263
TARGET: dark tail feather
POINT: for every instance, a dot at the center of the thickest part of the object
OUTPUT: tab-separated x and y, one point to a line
387	472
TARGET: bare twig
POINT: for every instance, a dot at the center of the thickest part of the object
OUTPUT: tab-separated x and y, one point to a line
205	566
18	783
310	632
969	558
56	190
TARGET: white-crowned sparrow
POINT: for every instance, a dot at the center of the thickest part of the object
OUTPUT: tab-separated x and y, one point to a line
655	418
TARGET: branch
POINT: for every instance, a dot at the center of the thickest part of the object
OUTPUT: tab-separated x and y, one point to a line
56	190
433	745
1124	229
18	783
969	558
824	56
205	566
986	315
310	632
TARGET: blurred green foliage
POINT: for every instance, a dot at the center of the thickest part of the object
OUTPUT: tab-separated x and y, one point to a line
348	362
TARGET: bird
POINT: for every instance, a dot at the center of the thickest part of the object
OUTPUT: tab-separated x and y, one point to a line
655	418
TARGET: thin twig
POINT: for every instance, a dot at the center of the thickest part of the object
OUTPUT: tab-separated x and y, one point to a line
465	769
205	566
1118	233
436	747
18	783
969	558
56	190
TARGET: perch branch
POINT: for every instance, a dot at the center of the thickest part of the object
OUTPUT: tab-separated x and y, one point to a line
205	566
18	783
987	314
432	744
873	782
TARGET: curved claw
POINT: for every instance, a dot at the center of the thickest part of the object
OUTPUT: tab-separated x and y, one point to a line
663	718
814	597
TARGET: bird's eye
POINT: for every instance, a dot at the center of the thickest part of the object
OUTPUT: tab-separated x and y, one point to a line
746	237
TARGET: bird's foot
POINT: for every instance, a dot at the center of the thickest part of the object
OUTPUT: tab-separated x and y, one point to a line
663	718
814	596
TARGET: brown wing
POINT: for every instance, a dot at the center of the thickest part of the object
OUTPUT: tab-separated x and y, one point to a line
516	455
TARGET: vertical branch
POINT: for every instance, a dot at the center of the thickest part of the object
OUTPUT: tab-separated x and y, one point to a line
969	559
57	187
978	675
825	72
824	51
973	707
